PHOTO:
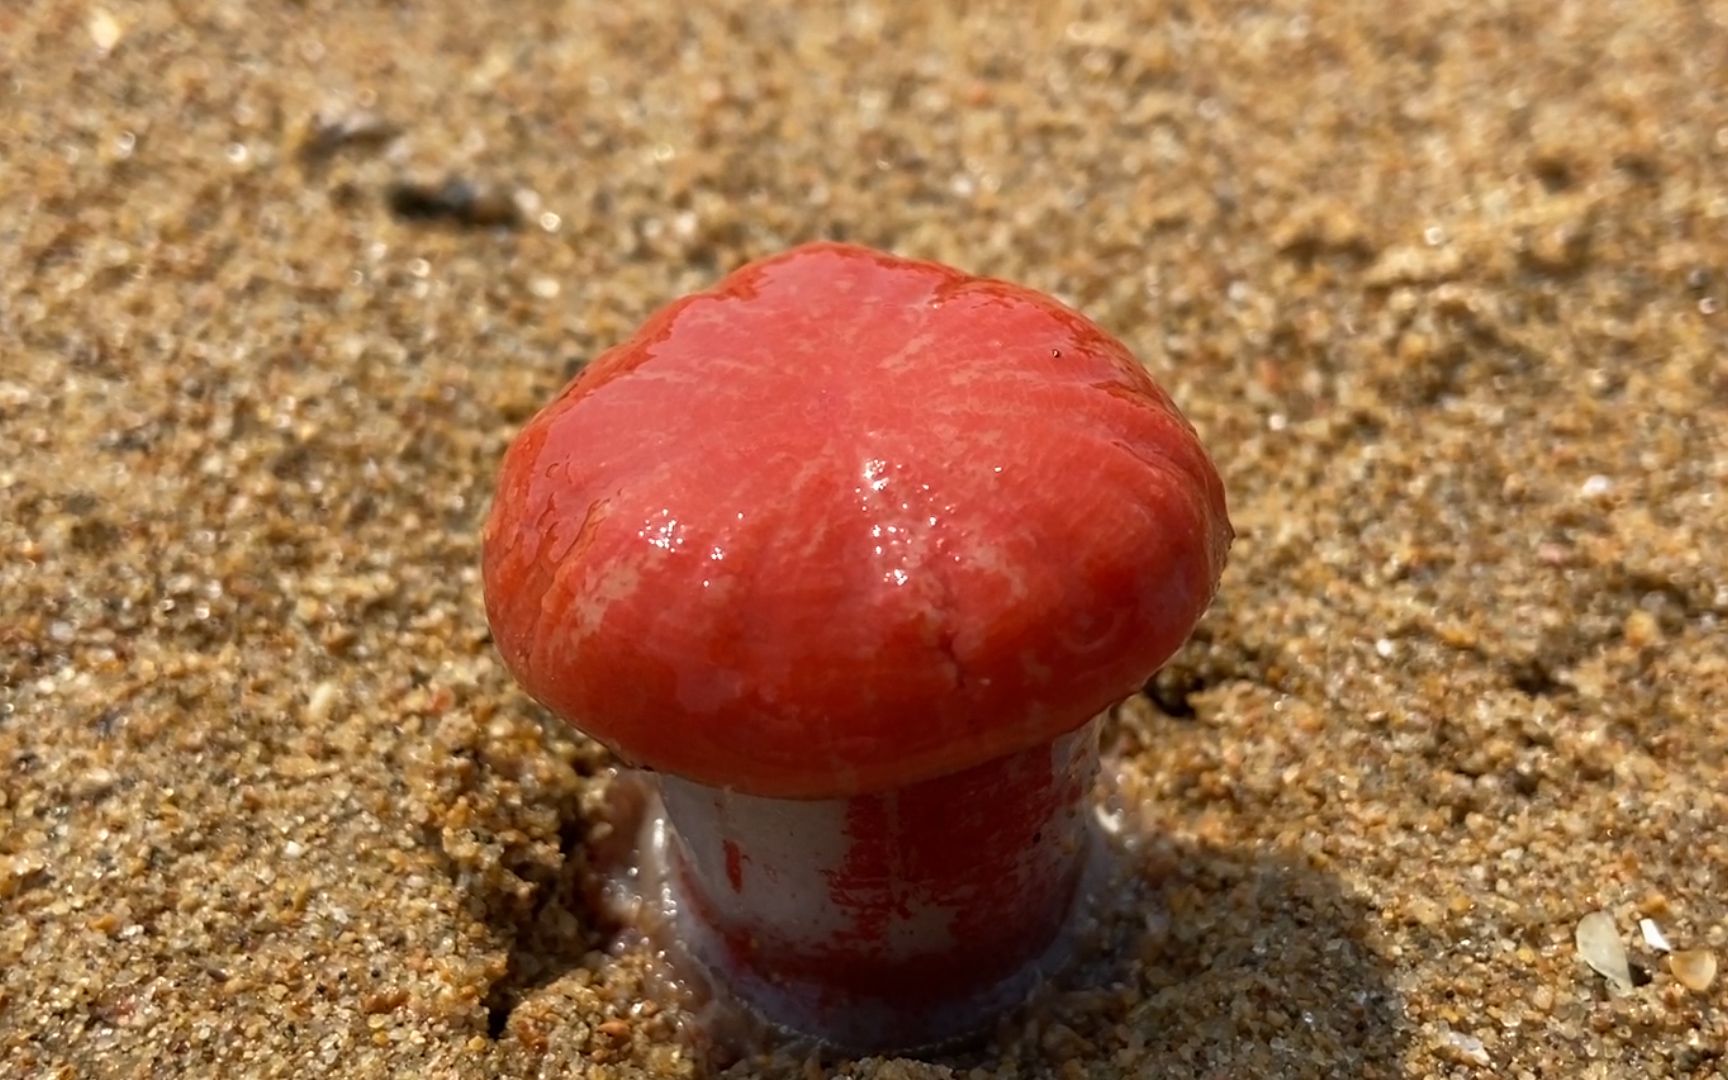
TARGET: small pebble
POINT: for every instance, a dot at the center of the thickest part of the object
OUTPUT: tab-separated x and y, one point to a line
360	129
458	201
1641	629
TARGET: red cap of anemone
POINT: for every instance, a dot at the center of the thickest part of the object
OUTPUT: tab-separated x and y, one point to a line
846	522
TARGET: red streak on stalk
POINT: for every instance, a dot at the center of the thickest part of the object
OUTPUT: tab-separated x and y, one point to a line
993	849
734	866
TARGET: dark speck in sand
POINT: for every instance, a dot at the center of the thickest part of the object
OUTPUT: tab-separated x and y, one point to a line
455	201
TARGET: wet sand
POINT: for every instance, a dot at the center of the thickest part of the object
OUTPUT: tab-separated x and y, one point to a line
1442	289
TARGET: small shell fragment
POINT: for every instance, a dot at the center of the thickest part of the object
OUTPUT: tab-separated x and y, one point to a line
1653	935
323	700
1599	944
1466	1048
105	30
1694	968
1110	821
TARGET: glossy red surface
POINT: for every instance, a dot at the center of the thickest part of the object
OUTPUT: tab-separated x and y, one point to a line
849	521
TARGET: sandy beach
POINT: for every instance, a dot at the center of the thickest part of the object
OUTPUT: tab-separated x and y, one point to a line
1441	286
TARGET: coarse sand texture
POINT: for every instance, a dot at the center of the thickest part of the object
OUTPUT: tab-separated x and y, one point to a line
1438	788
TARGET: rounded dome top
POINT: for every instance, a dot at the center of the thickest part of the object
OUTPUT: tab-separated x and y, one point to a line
848	521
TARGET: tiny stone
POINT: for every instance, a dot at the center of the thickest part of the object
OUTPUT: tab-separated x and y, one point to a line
1641	629
460	201
361	129
1595	487
1424	911
97	782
